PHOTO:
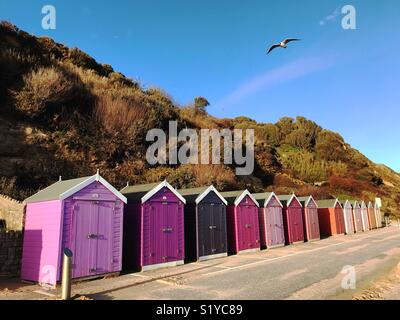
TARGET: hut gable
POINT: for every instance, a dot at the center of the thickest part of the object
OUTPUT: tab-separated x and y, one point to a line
62	190
142	193
307	201
267	198
236	197
196	195
289	200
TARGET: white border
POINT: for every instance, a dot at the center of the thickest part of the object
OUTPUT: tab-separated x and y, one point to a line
87	182
163	184
241	197
269	199
207	191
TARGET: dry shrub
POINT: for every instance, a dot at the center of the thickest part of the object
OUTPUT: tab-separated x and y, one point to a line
47	89
349	185
118	113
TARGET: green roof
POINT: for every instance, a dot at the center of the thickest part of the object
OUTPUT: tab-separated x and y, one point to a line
326	203
54	191
284	198
137	192
261	197
191	194
231	196
303	200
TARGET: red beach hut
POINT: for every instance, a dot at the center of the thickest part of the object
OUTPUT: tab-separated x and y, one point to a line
153	226
310	218
292	219
272	232
242	221
84	215
330	216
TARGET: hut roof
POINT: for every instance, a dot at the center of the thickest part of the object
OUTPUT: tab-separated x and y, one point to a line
143	192
195	195
306	200
263	198
65	188
327	203
286	199
235	197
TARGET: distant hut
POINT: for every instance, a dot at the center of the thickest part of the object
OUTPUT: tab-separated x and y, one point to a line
348	217
292	218
371	216
358	225
272	232
242	221
205	224
310	218
330	217
364	216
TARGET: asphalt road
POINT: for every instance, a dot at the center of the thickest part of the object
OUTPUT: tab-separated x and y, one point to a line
302	271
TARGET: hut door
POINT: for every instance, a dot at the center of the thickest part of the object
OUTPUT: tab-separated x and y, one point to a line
206	229
92	238
218	232
170	243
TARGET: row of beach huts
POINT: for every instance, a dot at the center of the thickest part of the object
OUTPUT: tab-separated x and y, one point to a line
149	226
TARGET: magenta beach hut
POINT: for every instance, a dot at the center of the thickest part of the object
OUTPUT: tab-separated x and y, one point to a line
272	232
242	221
153	227
84	215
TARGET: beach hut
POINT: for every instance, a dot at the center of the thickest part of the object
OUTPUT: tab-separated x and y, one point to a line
330	217
242	221
364	216
371	216
378	215
153	226
348	217
272	232
205	224
310	218
84	215
292	219
358	225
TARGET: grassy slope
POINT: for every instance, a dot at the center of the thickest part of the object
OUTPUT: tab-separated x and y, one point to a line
71	115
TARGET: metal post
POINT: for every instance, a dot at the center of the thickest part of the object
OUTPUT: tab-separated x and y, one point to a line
66	275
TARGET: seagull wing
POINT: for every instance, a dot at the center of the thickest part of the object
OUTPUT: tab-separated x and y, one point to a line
273	47
286	41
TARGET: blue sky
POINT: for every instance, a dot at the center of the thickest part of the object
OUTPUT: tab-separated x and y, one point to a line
345	80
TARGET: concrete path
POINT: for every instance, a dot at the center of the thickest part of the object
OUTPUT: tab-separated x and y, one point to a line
303	271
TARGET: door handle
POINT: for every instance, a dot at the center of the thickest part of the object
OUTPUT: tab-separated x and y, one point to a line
91	236
167	229
92	270
212	227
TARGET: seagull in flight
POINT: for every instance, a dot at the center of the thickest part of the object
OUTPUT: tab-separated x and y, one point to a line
282	44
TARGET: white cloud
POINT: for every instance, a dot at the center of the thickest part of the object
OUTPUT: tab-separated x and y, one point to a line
330	18
264	81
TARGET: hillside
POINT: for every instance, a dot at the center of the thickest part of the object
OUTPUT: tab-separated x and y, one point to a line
63	113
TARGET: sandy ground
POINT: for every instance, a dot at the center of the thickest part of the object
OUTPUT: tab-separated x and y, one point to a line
304	271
